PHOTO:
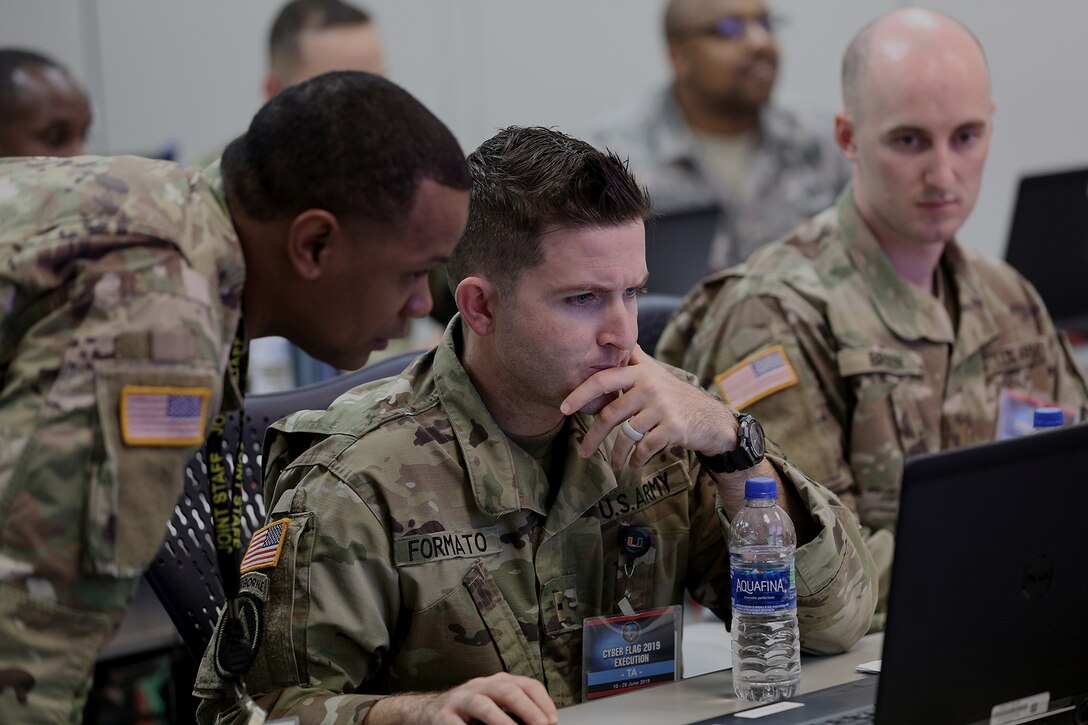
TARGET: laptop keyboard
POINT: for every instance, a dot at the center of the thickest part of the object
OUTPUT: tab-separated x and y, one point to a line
864	715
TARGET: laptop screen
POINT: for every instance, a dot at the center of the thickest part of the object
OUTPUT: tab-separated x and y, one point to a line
989	590
1048	243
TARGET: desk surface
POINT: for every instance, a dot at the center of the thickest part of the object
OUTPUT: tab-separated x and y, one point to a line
711	694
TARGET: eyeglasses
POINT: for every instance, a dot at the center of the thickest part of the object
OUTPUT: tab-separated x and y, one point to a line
735	27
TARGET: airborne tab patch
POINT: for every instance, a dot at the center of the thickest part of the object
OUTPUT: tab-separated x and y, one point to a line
163	416
756	377
265	547
439	545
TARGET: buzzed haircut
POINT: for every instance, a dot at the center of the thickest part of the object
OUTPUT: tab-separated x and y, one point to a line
298	16
11	60
351	143
528	180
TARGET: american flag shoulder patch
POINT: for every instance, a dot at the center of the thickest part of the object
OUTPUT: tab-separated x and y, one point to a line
163	416
265	547
756	377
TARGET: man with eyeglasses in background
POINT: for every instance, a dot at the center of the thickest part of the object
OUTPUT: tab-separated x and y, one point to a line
712	137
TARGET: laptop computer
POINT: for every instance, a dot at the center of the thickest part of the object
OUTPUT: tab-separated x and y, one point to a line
1048	243
988	608
678	247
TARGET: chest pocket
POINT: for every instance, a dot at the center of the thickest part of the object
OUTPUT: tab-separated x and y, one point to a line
888	423
659	505
1022	366
474	626
888	386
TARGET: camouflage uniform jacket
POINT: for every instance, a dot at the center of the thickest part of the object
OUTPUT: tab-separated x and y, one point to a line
796	171
118	274
422	551
883	372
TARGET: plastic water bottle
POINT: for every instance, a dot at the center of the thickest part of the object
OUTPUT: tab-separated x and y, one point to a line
766	643
1048	418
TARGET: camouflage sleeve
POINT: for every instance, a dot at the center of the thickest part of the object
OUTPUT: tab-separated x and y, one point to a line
331	604
807	416
836	576
135	323
89	470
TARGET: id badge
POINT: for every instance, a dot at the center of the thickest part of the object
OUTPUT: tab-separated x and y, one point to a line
628	652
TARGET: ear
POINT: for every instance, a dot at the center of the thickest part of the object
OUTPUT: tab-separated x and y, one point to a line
272	85
678	61
310	242
844	135
477	299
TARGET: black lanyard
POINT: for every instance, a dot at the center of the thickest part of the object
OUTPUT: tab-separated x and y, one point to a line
226	501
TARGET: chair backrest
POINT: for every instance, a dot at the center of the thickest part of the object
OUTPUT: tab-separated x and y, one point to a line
654	312
678	248
185	574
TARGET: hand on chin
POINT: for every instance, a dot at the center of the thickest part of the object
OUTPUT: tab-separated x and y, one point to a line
596	405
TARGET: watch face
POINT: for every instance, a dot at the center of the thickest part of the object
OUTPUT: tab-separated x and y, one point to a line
756	441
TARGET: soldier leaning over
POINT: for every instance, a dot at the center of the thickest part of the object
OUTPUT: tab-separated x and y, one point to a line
122	283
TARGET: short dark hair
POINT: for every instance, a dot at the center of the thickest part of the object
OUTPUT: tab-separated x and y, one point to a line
352	143
299	16
527	180
11	60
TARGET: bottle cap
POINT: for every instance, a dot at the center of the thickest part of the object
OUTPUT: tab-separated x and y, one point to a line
1048	417
760	488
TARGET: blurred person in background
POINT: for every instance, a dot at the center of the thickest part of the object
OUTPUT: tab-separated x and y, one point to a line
714	138
43	110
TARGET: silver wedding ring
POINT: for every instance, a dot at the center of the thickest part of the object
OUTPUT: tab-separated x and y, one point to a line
630	432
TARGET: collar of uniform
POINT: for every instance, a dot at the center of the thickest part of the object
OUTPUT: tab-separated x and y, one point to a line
676	142
977	326
503	477
585	480
909	312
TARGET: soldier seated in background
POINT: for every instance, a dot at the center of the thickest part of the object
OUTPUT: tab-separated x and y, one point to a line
447	532
714	138
869	334
43	111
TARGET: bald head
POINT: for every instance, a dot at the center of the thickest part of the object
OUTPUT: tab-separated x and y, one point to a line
909	39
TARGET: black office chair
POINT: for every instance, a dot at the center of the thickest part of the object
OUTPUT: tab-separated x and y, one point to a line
185	575
654	313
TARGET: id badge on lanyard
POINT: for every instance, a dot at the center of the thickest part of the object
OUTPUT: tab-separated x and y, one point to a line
631	650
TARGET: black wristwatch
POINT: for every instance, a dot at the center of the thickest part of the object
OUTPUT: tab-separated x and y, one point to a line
749	451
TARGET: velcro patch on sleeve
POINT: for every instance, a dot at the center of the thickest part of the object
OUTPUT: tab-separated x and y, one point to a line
265	547
163	416
756	377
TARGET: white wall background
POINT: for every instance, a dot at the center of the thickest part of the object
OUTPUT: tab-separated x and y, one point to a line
188	72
